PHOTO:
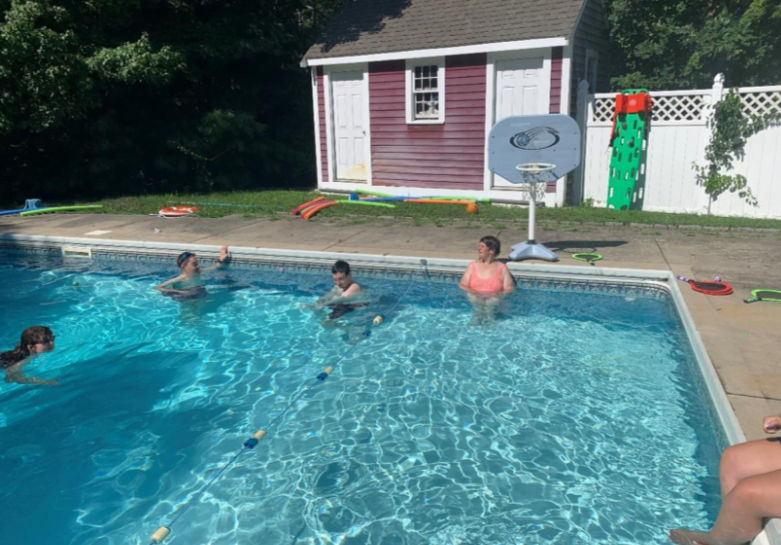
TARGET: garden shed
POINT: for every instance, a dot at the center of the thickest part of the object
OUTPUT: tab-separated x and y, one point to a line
405	92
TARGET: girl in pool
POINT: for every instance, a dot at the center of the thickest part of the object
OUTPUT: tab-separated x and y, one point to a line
486	280
35	340
189	284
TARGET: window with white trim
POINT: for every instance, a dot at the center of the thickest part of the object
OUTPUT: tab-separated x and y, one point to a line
426	92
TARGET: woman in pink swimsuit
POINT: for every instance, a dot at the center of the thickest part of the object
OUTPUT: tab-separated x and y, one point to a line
486	279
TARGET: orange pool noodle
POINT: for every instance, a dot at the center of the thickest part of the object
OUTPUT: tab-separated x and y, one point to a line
312	210
471	206
304	206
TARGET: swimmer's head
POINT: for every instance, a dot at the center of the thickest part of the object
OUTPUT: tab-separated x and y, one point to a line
341	274
37	339
188	263
488	245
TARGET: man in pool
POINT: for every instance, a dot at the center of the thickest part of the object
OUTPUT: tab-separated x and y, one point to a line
189	284
346	295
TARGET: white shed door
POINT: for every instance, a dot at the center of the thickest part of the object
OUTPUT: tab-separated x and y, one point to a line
522	88
349	126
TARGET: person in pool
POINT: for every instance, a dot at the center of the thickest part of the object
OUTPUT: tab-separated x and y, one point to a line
35	340
750	476
189	284
346	295
486	280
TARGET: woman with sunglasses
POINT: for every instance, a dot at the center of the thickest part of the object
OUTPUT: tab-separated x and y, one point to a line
189	284
35	340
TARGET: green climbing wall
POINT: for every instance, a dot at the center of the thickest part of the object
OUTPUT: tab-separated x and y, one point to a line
627	159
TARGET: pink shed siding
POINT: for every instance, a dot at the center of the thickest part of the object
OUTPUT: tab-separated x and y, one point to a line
557	54
450	155
321	121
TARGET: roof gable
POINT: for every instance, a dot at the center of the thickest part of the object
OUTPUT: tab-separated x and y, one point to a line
367	27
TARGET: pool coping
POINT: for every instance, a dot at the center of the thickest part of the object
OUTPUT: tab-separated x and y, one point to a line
658	278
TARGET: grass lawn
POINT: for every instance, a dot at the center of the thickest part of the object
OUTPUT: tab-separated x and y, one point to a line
275	204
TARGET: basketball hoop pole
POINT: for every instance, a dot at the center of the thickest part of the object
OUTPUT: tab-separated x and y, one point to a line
531	249
533	150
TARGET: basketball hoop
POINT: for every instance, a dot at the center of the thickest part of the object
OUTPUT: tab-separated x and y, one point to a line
536	177
529	151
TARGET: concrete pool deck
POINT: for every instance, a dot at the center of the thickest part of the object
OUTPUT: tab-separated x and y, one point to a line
738	336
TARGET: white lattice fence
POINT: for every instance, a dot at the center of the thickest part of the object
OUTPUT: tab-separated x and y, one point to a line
759	101
668	108
680	132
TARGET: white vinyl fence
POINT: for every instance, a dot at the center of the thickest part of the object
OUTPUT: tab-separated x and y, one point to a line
680	131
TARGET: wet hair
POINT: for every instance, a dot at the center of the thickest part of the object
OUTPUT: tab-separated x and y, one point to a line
32	335
183	257
341	267
492	243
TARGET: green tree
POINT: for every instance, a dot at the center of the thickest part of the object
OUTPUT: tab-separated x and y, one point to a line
105	97
674	44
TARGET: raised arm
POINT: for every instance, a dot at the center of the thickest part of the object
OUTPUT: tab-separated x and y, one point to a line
224	256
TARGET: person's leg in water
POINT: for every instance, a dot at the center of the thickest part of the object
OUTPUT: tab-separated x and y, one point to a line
750	475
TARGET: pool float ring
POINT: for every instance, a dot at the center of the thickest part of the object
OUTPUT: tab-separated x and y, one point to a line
177	211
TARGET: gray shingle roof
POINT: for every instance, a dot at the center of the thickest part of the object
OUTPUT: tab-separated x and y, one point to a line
366	27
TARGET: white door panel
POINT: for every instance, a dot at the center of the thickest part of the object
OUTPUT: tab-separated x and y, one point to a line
349	128
520	90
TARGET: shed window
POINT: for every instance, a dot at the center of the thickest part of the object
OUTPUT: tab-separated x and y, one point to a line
426	95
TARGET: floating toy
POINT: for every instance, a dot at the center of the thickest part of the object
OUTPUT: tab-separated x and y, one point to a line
177	211
60	209
764	295
296	211
589	257
716	287
29	204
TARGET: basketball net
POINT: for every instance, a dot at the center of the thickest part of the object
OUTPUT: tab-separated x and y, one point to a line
535	178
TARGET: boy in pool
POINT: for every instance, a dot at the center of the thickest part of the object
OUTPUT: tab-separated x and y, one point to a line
35	340
189	284
346	295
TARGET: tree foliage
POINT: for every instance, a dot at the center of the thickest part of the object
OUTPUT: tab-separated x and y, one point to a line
101	97
675	44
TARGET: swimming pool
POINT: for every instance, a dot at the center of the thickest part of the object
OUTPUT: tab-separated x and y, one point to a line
579	418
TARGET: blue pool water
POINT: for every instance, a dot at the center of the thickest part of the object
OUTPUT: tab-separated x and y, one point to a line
577	418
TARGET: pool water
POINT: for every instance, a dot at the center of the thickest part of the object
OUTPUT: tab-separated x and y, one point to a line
577	418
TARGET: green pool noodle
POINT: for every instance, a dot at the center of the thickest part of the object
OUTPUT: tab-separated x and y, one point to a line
60	209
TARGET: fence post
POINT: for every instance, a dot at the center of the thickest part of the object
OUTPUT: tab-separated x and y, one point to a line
581	116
